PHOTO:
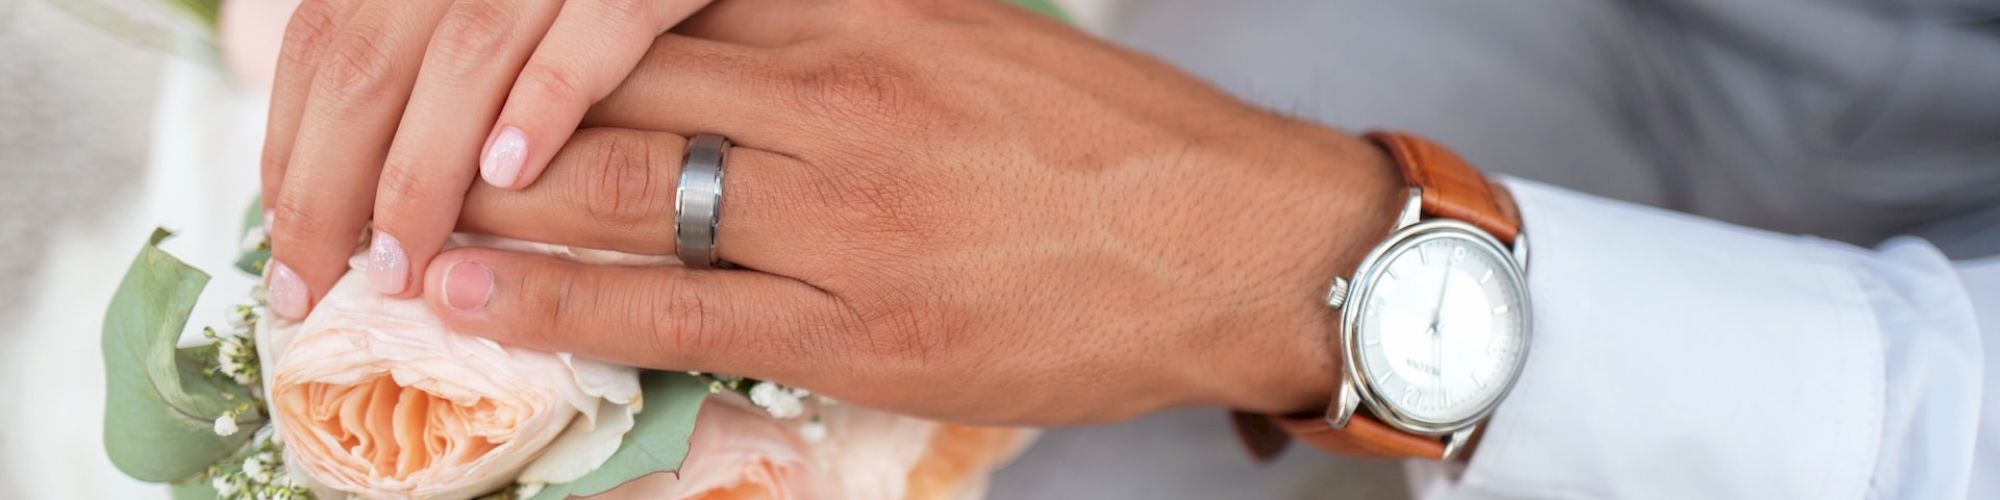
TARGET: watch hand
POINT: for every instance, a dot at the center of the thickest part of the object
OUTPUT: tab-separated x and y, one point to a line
1437	313
1437	334
1437	354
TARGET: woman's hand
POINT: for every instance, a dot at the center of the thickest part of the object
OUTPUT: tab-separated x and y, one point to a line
953	209
382	108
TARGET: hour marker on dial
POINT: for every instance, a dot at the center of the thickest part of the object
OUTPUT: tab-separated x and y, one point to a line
1499	310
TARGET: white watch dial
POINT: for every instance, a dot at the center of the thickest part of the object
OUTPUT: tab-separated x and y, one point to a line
1441	331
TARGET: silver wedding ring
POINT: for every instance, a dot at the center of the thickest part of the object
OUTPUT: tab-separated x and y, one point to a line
698	200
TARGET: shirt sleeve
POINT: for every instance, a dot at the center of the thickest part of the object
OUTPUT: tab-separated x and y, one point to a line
1679	357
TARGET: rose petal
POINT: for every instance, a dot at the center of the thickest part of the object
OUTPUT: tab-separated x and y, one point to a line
375	397
582	447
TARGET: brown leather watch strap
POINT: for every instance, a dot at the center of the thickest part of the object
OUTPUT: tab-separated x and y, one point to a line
1451	189
1363	437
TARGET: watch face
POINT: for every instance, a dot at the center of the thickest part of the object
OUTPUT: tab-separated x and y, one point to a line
1442	329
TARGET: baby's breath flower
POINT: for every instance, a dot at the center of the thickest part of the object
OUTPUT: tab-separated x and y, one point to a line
254	239
225	425
235	351
226	485
780	401
257	469
243	317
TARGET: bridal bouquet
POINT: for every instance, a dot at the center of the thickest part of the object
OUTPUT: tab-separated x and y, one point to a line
371	397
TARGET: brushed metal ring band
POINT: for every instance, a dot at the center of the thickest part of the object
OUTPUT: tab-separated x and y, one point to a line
698	200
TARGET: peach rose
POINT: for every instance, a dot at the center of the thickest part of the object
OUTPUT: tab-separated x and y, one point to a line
373	396
740	452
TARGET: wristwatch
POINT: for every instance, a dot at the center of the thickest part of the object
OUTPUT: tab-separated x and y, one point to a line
1434	324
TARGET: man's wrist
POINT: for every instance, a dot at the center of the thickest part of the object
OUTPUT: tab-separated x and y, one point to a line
1356	193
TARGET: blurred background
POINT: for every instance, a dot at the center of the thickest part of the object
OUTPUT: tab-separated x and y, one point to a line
117	116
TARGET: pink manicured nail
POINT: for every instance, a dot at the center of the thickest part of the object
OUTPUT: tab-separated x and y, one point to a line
501	165
287	293
388	266
467	285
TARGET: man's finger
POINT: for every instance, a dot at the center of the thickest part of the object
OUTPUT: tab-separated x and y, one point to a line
764	23
688	85
671	317
472	58
614	189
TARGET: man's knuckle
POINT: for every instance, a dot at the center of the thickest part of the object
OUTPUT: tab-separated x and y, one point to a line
563	307
897	328
874	200
856	86
685	319
473	30
619	189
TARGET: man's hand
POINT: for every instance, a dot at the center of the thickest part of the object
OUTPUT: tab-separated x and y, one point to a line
400	98
953	209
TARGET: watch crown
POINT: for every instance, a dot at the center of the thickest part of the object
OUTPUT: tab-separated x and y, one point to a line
1338	295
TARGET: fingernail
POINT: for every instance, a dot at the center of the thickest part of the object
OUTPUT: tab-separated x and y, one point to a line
467	285
501	165
287	293
388	266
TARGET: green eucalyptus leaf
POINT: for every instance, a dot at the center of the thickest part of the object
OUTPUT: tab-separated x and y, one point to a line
160	409
252	261
1047	7
657	442
253	216
193	490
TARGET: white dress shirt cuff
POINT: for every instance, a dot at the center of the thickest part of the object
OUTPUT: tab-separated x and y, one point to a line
1680	357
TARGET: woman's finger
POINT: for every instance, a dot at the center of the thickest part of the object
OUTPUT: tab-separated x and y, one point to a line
671	317
614	189
311	28
358	92
590	49
470	62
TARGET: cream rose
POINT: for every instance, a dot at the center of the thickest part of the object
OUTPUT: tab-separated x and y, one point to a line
374	397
